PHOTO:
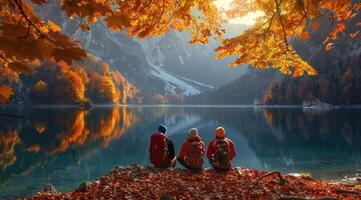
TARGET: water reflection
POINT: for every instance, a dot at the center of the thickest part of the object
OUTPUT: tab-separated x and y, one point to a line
8	141
64	138
66	146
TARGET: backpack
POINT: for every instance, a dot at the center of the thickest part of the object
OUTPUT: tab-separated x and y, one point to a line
159	154
222	154
194	156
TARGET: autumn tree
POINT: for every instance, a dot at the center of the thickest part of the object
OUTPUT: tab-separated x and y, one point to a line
175	98
40	90
26	40
85	81
102	89
126	89
159	99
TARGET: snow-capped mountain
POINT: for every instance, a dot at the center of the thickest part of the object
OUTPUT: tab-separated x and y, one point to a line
173	52
176	83
160	65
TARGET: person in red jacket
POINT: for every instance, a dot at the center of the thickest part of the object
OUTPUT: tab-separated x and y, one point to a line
161	149
221	151
192	152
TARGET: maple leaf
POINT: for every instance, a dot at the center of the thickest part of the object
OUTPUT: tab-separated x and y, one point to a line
54	26
19	67
12	31
329	47
68	54
305	36
5	93
315	25
117	22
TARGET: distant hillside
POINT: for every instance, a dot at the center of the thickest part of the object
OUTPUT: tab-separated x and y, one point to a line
251	86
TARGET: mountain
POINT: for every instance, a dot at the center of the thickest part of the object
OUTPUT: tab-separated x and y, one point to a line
176	56
163	65
249	88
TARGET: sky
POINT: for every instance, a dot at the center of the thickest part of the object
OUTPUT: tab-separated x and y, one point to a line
246	20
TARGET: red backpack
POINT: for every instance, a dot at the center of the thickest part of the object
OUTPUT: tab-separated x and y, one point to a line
159	155
194	156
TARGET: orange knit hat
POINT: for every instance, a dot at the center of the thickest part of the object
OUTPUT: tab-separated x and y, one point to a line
220	132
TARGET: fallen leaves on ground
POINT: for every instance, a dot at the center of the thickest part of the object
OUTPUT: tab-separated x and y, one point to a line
140	182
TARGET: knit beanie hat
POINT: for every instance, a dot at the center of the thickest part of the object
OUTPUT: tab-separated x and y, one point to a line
162	128
193	132
220	132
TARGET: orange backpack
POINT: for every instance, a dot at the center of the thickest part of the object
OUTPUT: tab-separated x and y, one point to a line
194	156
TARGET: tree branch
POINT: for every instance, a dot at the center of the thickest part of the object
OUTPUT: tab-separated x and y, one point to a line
278	4
19	5
282	180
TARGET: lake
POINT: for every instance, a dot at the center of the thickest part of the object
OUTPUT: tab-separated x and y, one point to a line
66	146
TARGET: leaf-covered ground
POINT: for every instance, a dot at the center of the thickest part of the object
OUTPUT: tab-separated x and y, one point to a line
139	182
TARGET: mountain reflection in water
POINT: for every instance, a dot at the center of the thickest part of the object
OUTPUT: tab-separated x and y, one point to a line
65	146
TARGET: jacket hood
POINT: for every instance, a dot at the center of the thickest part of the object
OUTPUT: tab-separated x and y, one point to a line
159	134
194	138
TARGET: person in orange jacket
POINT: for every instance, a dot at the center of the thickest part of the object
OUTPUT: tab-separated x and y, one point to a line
192	152
221	151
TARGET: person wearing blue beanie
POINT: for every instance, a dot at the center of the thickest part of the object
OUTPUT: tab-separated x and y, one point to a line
162	128
161	149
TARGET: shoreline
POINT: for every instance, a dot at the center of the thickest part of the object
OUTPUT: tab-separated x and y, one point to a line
333	107
144	182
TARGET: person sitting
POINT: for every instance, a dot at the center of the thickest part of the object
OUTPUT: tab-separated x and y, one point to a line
192	152
161	149
221	152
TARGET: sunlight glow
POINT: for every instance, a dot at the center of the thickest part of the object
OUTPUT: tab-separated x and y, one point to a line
249	19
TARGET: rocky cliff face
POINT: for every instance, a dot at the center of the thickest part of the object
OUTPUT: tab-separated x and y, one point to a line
160	65
190	61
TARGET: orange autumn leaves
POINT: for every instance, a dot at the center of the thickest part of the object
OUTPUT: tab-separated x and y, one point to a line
26	40
142	18
267	43
143	182
89	81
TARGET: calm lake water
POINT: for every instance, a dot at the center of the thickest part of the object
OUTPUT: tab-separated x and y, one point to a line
66	146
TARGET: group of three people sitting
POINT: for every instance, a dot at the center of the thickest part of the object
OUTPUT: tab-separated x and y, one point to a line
220	151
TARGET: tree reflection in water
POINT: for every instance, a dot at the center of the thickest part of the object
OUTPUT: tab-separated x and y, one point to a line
72	145
64	130
8	141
